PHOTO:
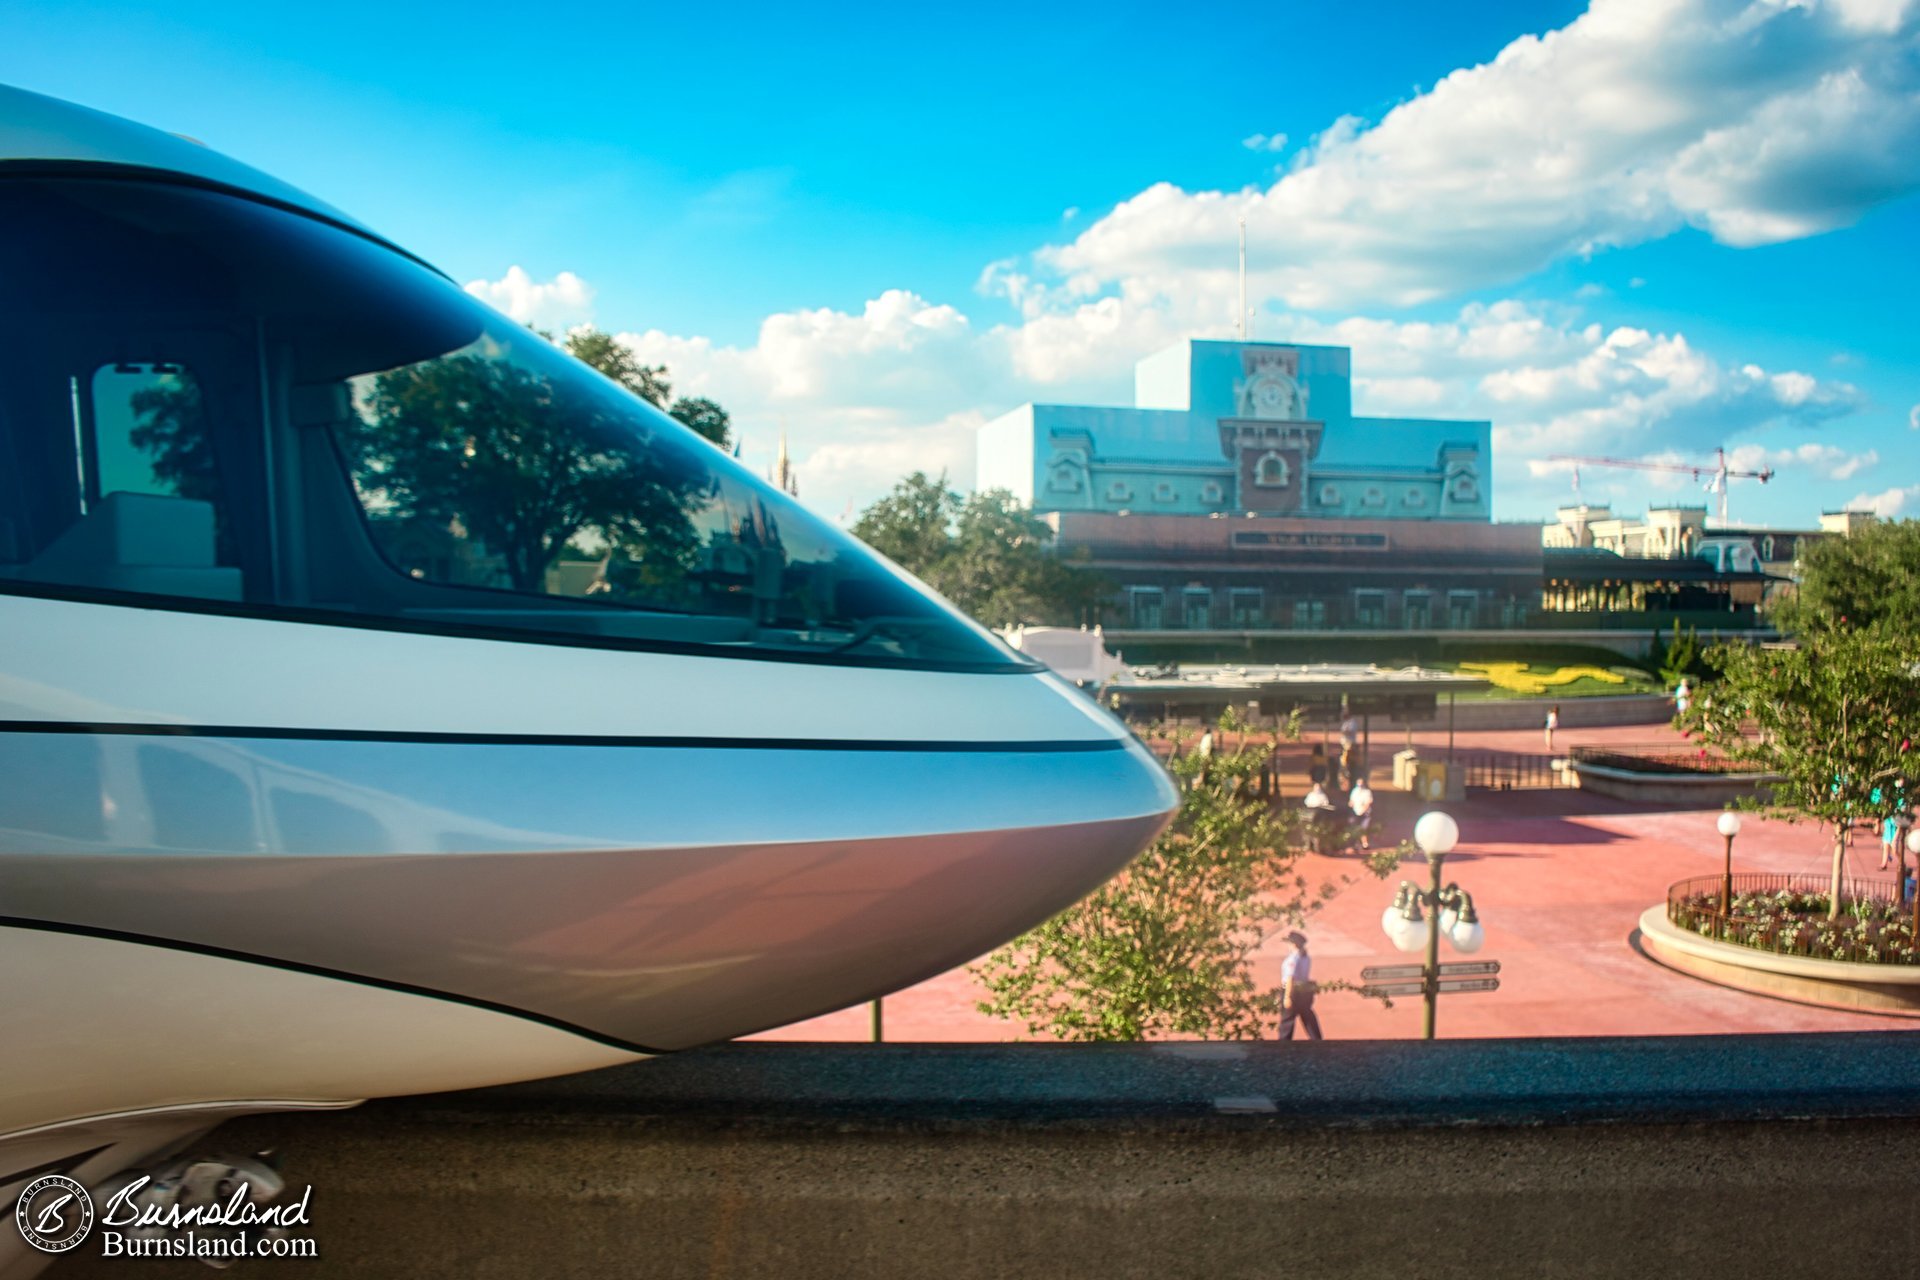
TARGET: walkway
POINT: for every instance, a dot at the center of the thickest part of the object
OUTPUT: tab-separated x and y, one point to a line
1560	878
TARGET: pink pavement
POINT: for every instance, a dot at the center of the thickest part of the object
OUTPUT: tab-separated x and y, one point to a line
1559	877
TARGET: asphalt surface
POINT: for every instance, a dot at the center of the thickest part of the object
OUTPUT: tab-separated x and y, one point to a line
1588	1080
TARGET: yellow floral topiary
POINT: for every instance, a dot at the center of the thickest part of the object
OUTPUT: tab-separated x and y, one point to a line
1518	677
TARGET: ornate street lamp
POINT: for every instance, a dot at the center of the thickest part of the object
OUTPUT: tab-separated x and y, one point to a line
1729	825
1447	910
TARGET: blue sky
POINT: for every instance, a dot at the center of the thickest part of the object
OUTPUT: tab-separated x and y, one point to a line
1645	230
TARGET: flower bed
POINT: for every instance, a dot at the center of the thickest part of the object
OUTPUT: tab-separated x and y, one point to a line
1792	920
1520	677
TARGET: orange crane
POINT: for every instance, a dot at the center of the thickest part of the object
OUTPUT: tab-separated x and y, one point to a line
1719	470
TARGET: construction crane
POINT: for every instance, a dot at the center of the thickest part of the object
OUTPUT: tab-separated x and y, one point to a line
1719	470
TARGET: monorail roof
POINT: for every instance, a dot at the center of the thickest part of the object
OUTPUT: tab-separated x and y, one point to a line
38	129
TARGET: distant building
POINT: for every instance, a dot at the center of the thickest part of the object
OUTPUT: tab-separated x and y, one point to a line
1218	427
1241	497
1672	561
1241	493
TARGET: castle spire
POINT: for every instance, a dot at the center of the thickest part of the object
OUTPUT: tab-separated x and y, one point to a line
783	476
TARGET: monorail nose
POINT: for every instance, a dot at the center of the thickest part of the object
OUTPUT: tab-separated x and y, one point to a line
985	840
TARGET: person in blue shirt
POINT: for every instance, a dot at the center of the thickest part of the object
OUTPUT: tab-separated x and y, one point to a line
1296	990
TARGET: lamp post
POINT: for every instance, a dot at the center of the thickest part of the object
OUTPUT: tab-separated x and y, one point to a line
1448	910
1729	825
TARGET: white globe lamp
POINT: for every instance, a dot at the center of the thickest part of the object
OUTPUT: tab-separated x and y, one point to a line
1436	833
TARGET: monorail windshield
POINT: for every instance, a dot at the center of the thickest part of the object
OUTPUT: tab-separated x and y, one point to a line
203	396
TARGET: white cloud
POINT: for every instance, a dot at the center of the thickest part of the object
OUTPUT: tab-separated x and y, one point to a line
1552	382
1913	418
900	385
560	303
1888	503
1756	121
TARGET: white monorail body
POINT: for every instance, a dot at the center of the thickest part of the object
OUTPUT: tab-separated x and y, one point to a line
388	703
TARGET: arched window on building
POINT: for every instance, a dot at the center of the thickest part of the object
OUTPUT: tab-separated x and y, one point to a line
1271	472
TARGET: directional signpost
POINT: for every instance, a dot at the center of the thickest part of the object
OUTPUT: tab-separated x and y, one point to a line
1411	979
1416	921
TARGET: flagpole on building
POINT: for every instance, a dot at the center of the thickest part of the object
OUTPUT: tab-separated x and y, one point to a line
1240	326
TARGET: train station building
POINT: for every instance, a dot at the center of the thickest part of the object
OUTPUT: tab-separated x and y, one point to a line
1241	496
1241	492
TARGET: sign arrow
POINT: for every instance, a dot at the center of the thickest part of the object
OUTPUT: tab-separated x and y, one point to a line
1386	972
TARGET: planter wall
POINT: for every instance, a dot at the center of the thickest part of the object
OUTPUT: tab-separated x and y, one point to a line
1693	791
1893	990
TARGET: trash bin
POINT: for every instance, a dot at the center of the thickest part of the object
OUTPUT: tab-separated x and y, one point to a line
1429	780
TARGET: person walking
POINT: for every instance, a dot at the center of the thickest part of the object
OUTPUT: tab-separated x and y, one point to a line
1360	800
1889	841
1349	745
1553	722
1296	990
1682	694
1205	752
1317	765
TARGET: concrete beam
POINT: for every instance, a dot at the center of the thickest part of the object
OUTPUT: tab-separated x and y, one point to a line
1463	1159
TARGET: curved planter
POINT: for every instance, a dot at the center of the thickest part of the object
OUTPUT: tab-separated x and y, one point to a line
1832	984
1695	790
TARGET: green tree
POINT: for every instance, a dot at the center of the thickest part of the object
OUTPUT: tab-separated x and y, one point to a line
1682	656
1867	577
611	357
912	525
1166	947
988	554
1835	715
518	463
706	418
608	355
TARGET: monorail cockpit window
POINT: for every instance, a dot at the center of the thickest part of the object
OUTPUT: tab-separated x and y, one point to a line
286	412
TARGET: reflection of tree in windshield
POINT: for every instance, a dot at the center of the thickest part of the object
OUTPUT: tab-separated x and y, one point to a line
482	448
171	428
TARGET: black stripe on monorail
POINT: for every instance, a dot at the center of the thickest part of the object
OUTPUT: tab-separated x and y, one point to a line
321	971
1066	746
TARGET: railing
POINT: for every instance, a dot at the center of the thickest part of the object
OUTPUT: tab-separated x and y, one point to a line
1655	757
1490	618
1506	771
1873	925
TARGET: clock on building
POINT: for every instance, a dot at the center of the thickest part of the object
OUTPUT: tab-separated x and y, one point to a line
1272	395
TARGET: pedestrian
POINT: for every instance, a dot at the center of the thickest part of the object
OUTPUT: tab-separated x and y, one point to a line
1360	800
1889	841
1553	722
1349	733
1296	990
1681	695
1205	752
1317	765
1319	807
